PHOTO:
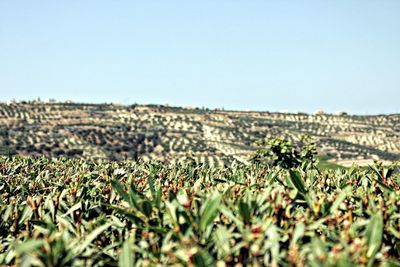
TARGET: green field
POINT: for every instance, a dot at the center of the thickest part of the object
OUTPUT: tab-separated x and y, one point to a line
74	212
325	164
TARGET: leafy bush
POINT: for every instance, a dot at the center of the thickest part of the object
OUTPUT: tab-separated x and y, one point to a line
70	212
281	152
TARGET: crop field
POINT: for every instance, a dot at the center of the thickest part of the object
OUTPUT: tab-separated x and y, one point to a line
200	133
168	134
113	185
77	212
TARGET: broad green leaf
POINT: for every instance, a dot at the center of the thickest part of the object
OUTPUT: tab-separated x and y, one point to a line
75	207
126	257
228	213
147	208
298	232
210	212
120	190
29	246
342	196
202	259
297	181
221	237
244	210
90	237
374	236
150	181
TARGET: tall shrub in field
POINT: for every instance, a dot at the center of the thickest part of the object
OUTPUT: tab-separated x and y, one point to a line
282	153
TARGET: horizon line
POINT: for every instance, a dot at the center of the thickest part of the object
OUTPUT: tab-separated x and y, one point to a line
320	111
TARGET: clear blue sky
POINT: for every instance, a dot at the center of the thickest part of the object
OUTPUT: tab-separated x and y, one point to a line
259	55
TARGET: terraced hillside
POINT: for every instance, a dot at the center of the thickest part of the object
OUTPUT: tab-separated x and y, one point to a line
214	137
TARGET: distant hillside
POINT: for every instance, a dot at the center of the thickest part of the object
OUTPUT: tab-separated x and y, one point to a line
213	137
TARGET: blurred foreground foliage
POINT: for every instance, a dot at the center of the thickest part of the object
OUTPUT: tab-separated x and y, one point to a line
72	212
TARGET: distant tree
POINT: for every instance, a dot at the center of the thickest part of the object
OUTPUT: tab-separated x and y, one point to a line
281	152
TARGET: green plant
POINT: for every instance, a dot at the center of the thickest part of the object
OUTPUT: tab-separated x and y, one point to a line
281	152
73	212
